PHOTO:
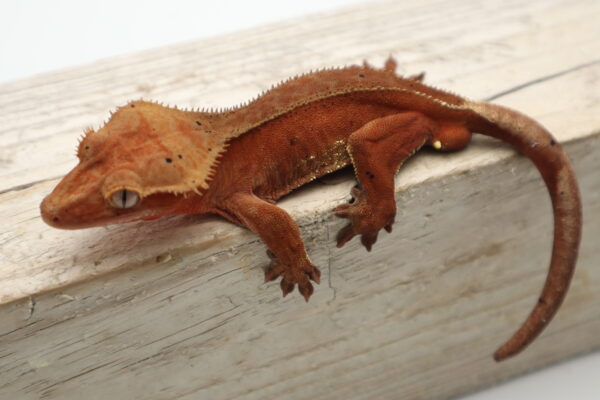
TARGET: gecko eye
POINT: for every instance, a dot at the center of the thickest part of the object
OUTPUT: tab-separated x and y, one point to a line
124	198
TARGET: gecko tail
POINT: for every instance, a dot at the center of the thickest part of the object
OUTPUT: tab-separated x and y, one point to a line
533	140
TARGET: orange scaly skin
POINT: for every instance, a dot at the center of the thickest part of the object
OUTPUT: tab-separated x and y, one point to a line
149	161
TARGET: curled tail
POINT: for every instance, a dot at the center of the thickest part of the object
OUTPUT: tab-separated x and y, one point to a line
537	143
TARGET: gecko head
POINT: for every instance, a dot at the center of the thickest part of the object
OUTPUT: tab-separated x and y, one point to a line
140	165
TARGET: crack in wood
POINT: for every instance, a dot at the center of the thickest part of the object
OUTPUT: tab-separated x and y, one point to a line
28	185
31	307
48	390
541	79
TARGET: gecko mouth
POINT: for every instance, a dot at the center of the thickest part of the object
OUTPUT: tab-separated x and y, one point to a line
67	218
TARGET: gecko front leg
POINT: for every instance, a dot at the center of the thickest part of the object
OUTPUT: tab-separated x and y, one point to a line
281	235
377	150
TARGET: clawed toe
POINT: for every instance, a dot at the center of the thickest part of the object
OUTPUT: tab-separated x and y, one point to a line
286	287
306	290
291	276
344	235
314	274
273	272
342	211
368	240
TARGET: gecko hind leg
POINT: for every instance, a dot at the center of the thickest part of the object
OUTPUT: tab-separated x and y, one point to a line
377	150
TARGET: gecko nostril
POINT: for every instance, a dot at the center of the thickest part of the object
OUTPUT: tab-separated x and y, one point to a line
55	219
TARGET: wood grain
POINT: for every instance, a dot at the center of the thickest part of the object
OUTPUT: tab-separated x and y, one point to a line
176	308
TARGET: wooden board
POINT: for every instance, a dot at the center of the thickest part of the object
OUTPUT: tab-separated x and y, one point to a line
176	308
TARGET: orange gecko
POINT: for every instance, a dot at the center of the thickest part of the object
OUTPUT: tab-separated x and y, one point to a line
148	161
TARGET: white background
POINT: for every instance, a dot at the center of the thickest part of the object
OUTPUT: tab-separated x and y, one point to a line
38	36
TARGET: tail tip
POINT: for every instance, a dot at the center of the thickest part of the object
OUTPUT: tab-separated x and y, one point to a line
506	351
498	356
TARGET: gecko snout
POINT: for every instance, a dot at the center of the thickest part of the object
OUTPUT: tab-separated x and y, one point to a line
49	212
55	215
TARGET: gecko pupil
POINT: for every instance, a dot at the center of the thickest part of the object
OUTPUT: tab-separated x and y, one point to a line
124	197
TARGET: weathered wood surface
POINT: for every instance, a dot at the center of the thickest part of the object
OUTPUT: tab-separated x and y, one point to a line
176	308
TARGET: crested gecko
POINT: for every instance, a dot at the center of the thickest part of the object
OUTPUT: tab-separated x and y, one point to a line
149	160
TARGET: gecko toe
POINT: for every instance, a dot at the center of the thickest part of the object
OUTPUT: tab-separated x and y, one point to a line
306	289
342	211
273	272
344	235
314	274
286	287
368	240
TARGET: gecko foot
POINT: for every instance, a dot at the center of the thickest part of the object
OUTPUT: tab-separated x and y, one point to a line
365	220
292	275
